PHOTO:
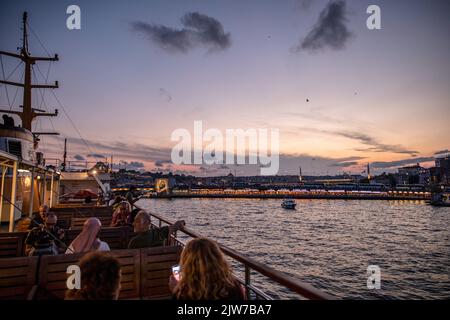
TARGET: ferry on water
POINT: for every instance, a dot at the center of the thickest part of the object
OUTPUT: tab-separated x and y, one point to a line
288	204
27	183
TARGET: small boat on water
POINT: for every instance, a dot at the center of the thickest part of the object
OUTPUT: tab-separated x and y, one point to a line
289	204
440	196
440	199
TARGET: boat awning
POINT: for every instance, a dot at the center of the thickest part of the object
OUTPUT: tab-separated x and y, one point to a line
7	160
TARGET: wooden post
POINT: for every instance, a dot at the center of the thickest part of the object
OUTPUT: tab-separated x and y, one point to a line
44	189
58	188
30	211
247	282
13	198
4	169
51	192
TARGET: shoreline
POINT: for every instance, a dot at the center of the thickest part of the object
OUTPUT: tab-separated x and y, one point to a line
293	196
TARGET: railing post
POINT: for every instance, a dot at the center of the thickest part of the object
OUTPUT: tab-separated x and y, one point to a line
44	189
30	209
247	282
51	192
12	206
4	168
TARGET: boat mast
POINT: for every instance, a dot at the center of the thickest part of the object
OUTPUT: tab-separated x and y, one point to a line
28	113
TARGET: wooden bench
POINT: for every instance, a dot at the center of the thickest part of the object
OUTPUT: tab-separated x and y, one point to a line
64	223
84	211
156	268
77	223
115	237
145	274
12	244
17	278
53	276
11	247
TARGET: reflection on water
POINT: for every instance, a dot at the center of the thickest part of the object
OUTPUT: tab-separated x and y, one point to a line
330	243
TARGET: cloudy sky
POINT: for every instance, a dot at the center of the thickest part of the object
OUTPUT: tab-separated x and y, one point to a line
341	95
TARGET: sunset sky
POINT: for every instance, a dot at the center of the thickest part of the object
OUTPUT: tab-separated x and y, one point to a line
138	70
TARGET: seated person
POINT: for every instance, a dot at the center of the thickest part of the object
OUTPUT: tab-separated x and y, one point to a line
88	239
130	196
121	217
45	239
38	218
148	237
115	202
100	278
205	274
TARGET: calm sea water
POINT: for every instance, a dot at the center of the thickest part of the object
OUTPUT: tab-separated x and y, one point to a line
330	243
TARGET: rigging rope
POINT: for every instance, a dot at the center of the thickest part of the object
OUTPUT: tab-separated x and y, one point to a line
39	40
4	77
17	90
42	91
54	95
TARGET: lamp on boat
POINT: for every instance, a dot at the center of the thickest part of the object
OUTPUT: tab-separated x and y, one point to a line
27	181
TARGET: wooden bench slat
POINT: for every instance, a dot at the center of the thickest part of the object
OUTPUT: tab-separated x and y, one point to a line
19	270
18	276
156	264
158	291
163	258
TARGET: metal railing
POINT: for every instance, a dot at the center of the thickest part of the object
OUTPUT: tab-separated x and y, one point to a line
299	287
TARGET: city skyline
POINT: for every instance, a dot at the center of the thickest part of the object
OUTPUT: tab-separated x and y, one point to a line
128	78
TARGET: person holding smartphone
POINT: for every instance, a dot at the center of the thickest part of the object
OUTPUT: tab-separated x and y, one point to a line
176	272
204	274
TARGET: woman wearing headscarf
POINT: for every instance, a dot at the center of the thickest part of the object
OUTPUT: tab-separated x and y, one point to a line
88	239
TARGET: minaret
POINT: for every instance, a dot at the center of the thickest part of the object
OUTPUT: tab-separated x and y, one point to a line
63	166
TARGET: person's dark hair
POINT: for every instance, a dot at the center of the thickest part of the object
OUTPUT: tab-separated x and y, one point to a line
100	278
132	188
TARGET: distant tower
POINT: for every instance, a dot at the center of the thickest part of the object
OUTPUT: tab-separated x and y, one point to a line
64	164
300	177
368	172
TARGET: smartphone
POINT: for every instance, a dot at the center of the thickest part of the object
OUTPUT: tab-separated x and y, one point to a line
176	272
